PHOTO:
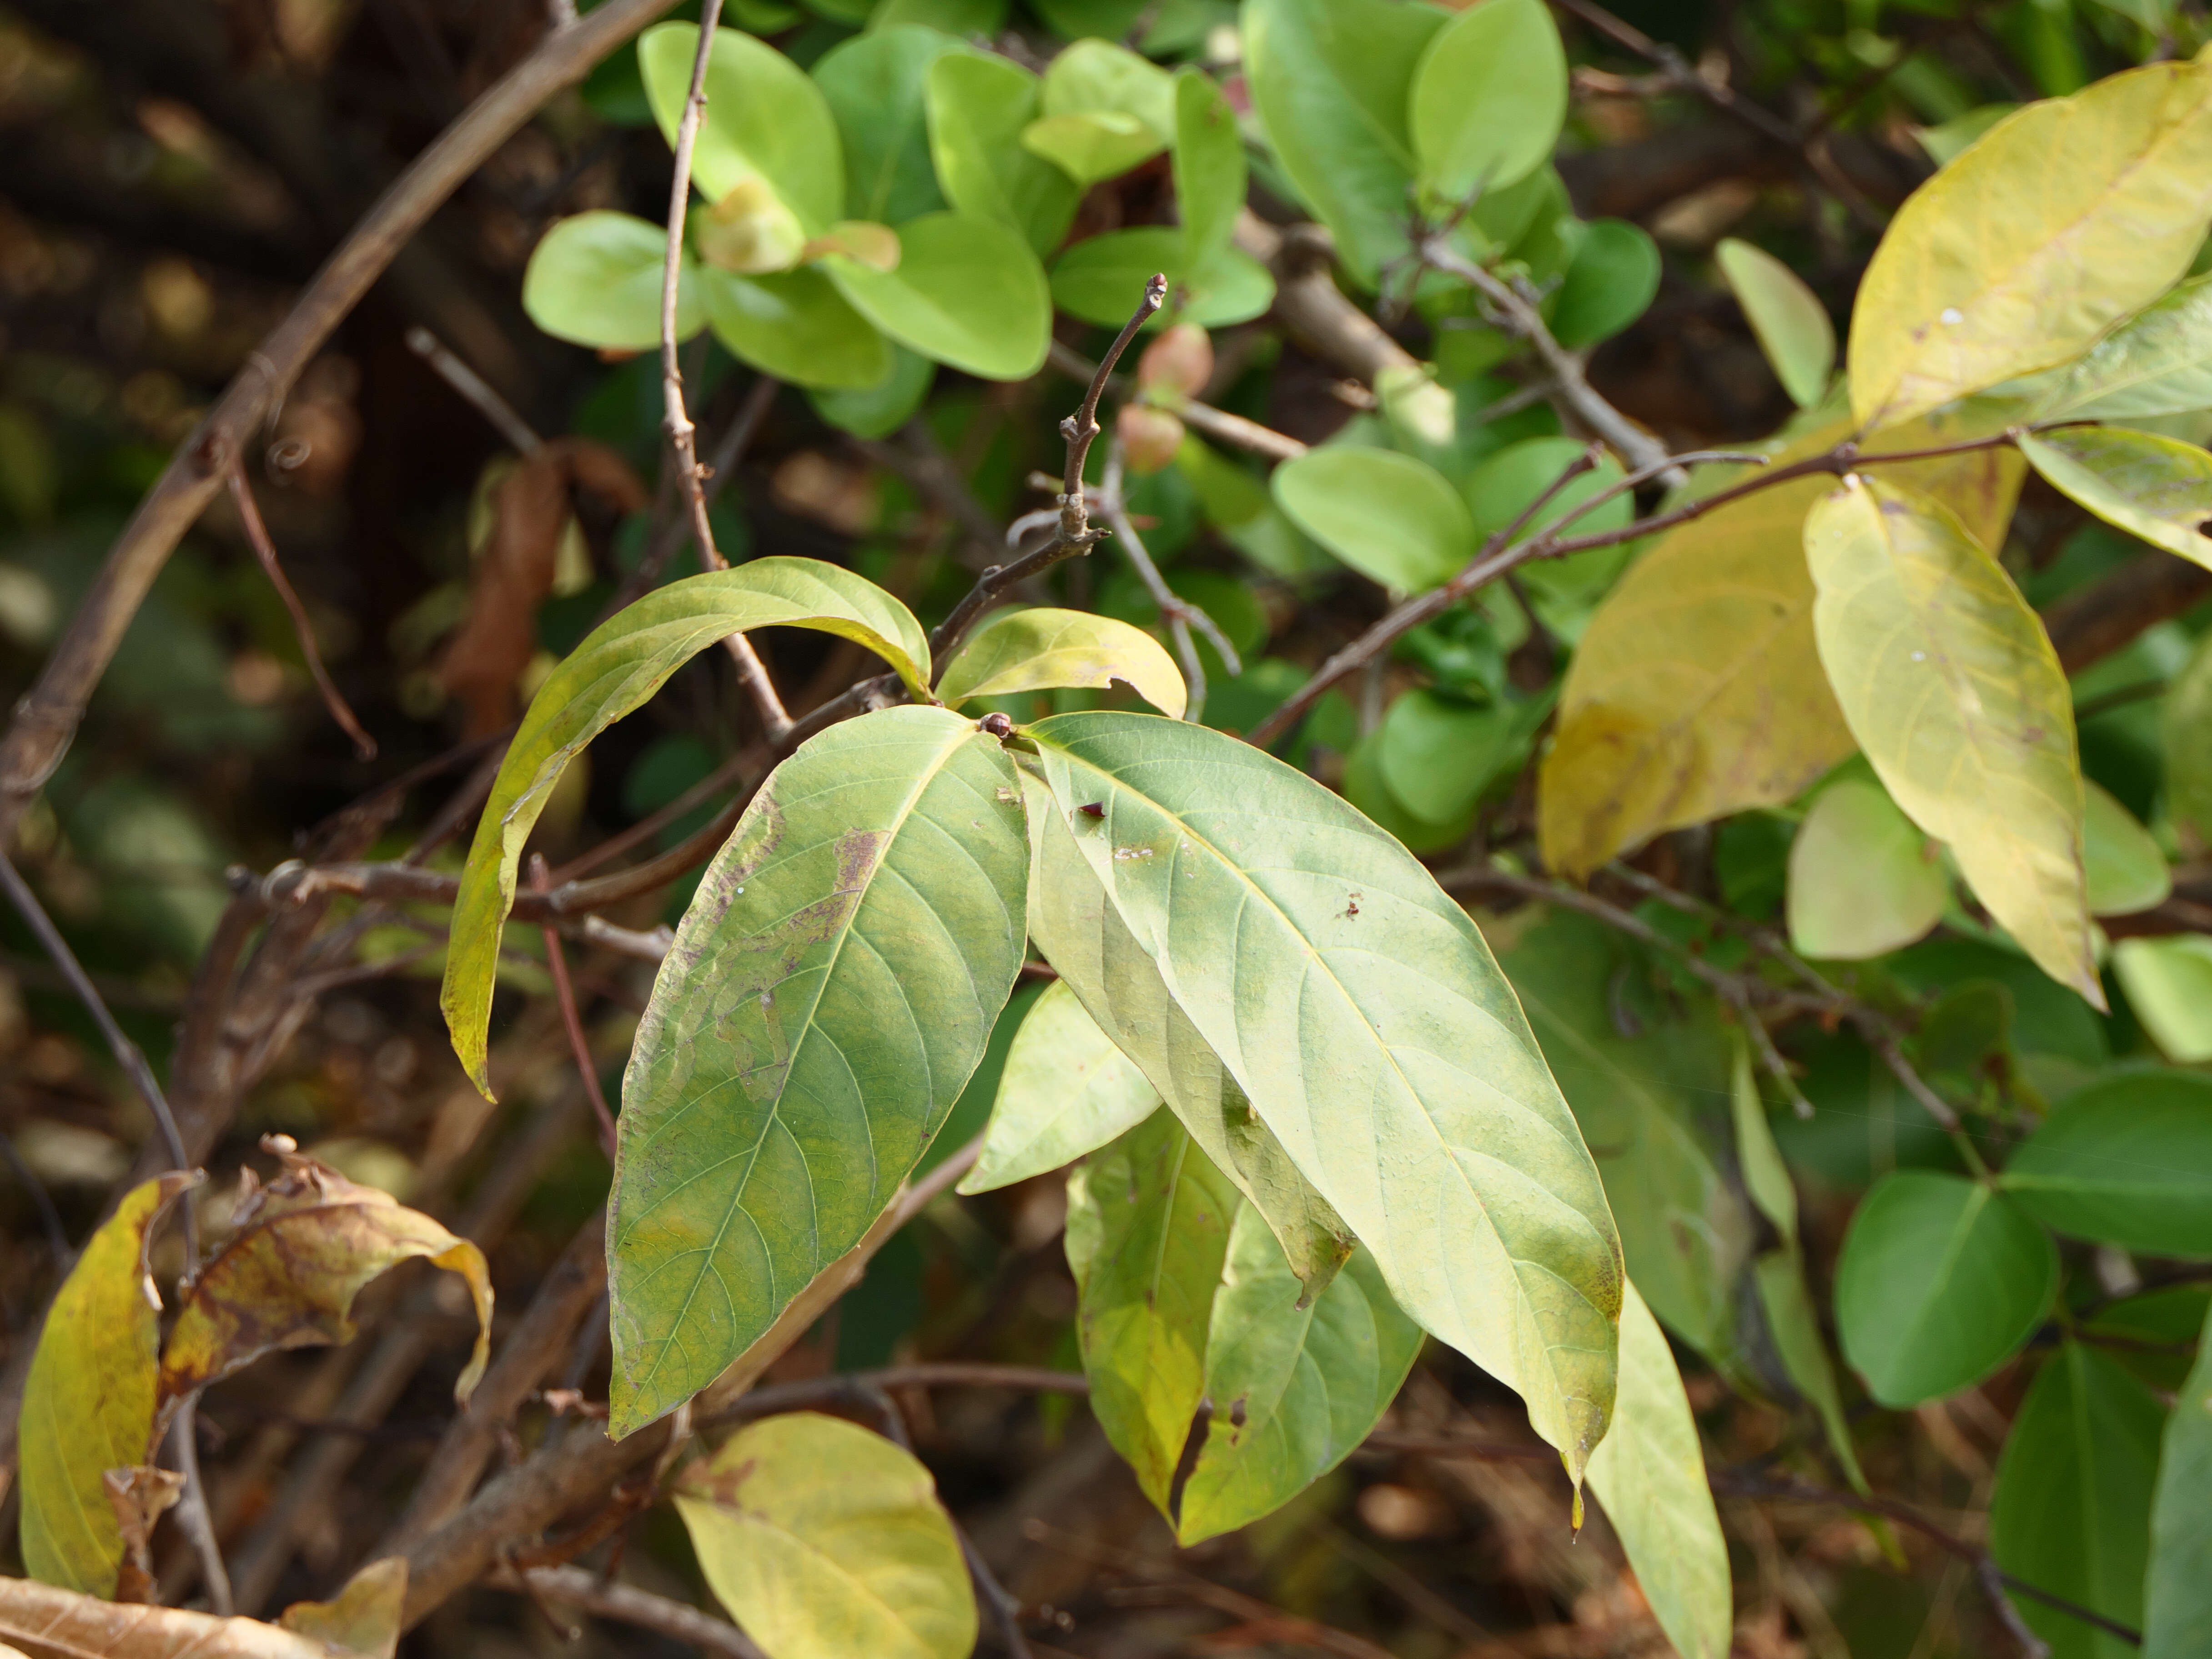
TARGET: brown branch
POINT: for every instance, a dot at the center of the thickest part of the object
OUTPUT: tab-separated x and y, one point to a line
571	1018
627	1605
1216	423
1178	613
477	391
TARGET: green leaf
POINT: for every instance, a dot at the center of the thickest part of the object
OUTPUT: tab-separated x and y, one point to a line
2125	869
1209	168
1488	99
2169	985
596	279
824	1540
977	107
963	20
1863	881
1766	1178
1330	80
2187	731
1786	317
622	663
1793	1323
2158	362
2178	1593
1096	78
968	292
1391	518
2071	1511
1940	1282
825	1000
1438	754
1101	279
2065	217
1364	786
874	86
2158	488
1321	962
1065	1092
1945	140
797	326
1040	649
1562	591
763	119
88	1400
1951	686
1612	281
1091	147
2125	1161
1648	1472
879	410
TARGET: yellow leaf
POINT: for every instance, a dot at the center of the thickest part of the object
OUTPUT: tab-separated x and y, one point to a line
88	1401
1697	691
2067	216
1033	650
363	1618
305	1245
1951	686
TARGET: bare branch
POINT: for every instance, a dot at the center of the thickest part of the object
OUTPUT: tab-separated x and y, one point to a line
571	1018
476	390
628	1605
1180	614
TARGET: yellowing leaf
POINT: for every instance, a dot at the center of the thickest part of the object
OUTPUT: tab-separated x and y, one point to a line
363	1618
2065	217
1952	687
41	1621
1034	650
2159	489
1863	881
88	1401
1791	324
305	1246
2159	362
825	1541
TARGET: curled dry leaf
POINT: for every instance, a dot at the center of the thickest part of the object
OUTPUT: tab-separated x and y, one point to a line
500	635
41	1621
305	1245
139	1496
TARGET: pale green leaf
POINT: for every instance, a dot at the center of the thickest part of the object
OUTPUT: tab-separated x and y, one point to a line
2187	729
795	325
596	279
1091	147
88	1400
2158	362
2169	985
2063	219
2158	488
2178	1594
763	119
977	107
1610	283
1488	99
620	663
1096	78
874	85
968	292
1388	516
1036	649
1786	317
1766	1178
826	997
1945	140
880	410
2125	1161
1101	279
1648	1472
1952	688
1066	1091
2072	1512
1941	1281
825	1541
1208	167
1325	967
2125	870
364	1618
1863	881
1795	1324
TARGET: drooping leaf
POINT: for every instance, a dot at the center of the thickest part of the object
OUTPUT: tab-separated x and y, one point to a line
1648	1472
1330	80
2158	488
88	1401
363	1618
1610	283
43	1621
1208	166
764	118
825	1000
1488	99
1863	881
1066	1090
977	107
1438	754
622	663
1386	515
304	1248
1952	688
824	1540
2187	729
1793	1323
1034	649
1322	964
2158	362
968	292
874	85
2125	1161
2125	869
1940	1282
2071	1510
797	326
2178	1591
596	279
2063	219
2169	985
1101	279
1786	317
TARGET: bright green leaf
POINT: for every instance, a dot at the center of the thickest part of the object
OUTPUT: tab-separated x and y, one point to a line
977	107
1786	317
2159	489
1388	516
1092	147
1065	1092
1438	754
874	87
1941	1281
1863	881
1101	279
1952	688
1096	78
1611	281
1037	649
622	663
2125	1161
596	279
1366	787
2126	872
1488	99
968	292
763	119
1209	168
824	1540
825	1000
2178	1594
796	325
2158	362
2169	985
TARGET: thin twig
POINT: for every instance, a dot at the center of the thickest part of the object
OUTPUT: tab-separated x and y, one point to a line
474	390
1178	613
192	1510
720	467
256	532
572	1017
630	1605
1217	423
